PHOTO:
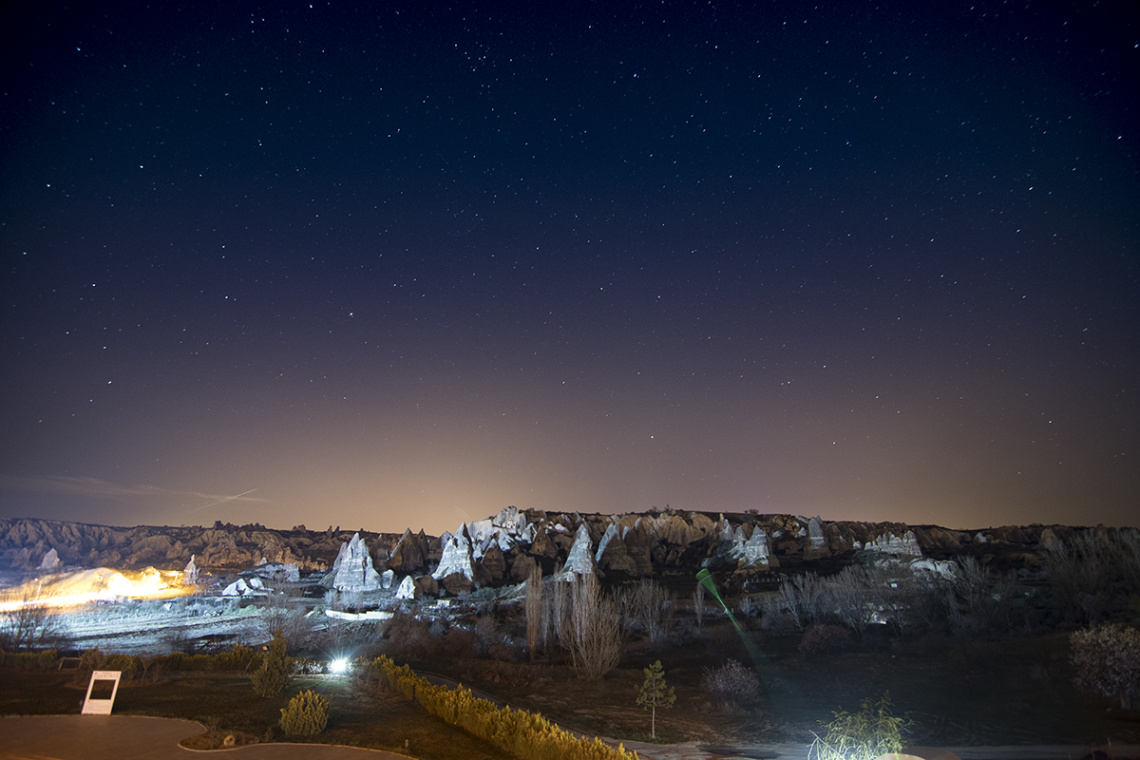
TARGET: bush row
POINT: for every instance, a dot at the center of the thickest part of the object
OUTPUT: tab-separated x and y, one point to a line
240	659
523	734
29	660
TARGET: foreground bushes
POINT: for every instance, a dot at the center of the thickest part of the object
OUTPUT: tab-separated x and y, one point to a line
29	660
868	734
523	734
731	684
306	715
1106	661
273	676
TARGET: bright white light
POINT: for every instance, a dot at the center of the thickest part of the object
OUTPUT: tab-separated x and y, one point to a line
338	666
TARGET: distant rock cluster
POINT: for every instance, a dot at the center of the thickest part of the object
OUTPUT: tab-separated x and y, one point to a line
26	543
505	548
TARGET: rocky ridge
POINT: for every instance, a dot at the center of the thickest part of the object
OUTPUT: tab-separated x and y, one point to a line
740	548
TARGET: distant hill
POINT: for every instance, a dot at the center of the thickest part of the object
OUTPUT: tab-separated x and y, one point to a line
740	548
223	547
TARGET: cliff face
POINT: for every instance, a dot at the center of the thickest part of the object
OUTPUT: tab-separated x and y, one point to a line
503	548
24	542
737	547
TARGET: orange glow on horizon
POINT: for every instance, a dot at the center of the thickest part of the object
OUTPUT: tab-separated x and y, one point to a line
97	584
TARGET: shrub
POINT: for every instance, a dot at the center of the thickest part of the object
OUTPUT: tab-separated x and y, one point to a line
129	666
1107	662
824	638
240	659
731	684
520	733
273	675
410	637
44	660
306	715
306	666
865	735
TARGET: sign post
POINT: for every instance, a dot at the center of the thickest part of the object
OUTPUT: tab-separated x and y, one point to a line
102	682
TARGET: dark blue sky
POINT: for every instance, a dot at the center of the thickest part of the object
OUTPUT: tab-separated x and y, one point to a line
406	264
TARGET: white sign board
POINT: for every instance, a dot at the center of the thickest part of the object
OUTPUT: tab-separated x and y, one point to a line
101	692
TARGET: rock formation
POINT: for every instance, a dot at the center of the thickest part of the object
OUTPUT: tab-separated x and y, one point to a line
190	573
50	562
580	560
407	589
353	569
220	548
456	559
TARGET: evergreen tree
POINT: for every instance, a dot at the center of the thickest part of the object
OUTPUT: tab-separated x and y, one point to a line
273	676
654	693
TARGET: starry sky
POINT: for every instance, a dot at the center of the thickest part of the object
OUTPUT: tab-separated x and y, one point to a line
402	264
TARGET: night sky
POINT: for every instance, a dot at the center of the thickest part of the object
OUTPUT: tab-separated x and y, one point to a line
404	264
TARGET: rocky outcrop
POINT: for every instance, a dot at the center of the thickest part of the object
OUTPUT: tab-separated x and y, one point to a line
407	589
50	562
190	573
221	548
737	548
456	559
353	571
410	554
580	560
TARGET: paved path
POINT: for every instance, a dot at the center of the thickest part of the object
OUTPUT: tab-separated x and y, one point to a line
133	737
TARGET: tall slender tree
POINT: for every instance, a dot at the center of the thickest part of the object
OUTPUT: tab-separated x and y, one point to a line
655	693
533	609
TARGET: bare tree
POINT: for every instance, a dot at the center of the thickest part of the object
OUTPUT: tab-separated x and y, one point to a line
801	598
29	625
533	609
282	611
593	634
851	597
978	599
646	606
699	604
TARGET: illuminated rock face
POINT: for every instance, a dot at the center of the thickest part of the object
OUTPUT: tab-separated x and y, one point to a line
353	569
816	539
245	587
190	574
581	559
407	589
754	552
891	544
50	562
456	557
